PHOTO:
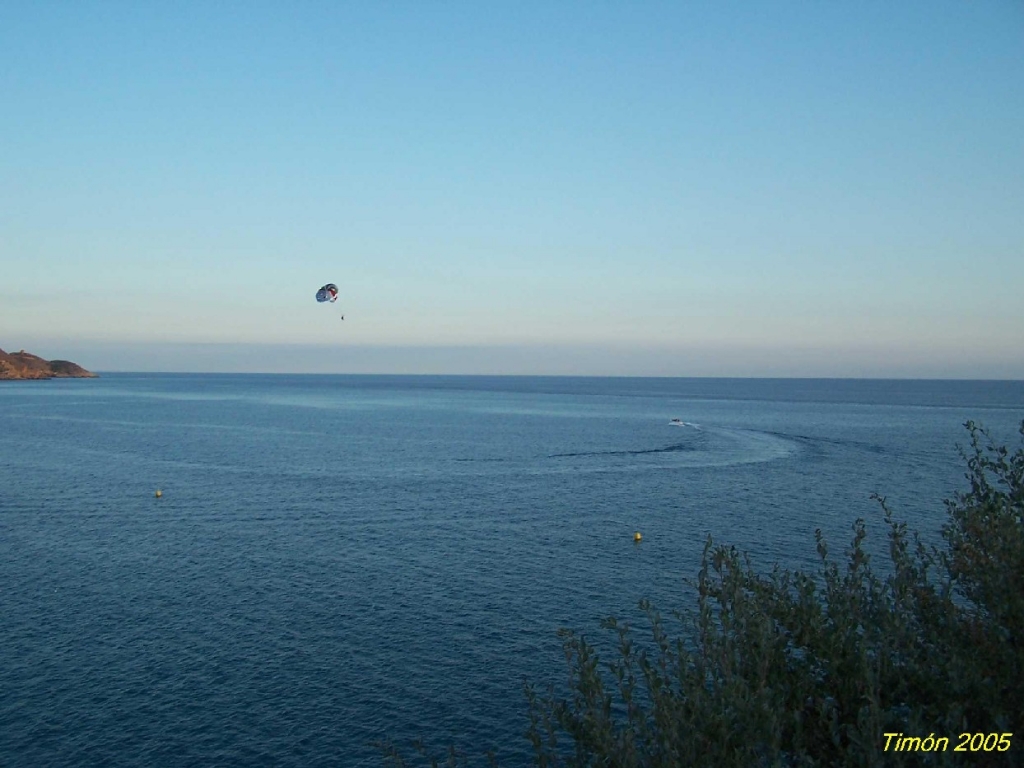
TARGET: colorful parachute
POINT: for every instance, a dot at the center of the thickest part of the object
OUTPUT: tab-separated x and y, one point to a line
328	292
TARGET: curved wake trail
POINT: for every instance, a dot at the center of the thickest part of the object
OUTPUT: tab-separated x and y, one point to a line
640	452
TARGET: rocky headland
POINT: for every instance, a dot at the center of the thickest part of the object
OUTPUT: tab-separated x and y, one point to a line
22	365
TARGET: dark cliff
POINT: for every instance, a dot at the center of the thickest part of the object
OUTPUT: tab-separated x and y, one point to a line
22	365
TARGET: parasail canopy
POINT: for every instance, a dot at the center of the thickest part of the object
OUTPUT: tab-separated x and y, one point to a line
328	292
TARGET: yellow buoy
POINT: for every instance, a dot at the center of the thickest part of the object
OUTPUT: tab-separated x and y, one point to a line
637	536
158	493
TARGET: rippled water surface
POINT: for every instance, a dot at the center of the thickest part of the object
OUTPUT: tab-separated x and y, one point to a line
340	559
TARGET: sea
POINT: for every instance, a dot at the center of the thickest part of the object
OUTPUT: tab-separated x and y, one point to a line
333	562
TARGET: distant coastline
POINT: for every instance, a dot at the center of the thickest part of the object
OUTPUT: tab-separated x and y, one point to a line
23	365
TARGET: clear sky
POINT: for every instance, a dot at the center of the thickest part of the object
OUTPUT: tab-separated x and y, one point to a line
648	188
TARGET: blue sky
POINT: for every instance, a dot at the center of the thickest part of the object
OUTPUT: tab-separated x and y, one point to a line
736	189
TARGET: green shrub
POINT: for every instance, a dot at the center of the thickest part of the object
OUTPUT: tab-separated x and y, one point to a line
843	667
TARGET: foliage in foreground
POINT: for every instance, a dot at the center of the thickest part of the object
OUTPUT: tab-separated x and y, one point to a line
797	669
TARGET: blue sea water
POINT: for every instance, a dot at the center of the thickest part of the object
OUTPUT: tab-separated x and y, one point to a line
341	559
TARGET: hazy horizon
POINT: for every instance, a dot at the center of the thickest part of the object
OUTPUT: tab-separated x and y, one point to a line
510	360
771	189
